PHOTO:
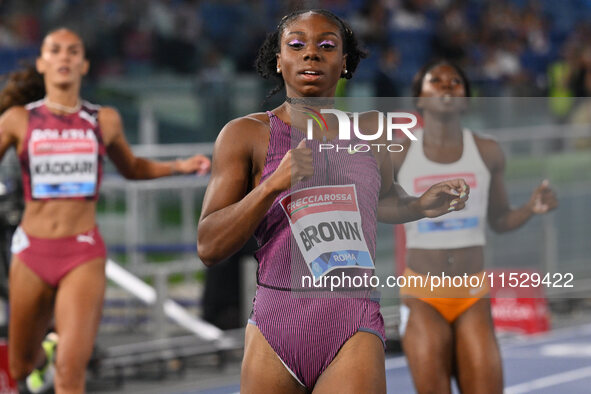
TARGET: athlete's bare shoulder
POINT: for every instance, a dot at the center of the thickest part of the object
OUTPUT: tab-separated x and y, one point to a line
15	114
111	124
245	128
108	112
109	117
13	128
258	117
13	121
243	137
490	151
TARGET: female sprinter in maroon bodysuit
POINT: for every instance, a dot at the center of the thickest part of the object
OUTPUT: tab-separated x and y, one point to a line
302	343
58	263
450	331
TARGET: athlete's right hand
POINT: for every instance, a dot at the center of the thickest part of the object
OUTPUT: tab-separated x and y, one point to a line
296	165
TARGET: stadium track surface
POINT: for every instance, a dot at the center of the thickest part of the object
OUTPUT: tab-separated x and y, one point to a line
557	361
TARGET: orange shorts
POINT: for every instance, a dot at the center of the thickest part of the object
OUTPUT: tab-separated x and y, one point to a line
449	301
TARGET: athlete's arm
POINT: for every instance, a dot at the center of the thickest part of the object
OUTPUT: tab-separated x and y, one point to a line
501	216
132	167
443	197
396	206
11	121
232	208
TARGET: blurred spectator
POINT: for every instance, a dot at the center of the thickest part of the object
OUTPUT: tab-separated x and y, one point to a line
175	35
535	30
370	23
506	45
214	83
581	86
386	82
502	59
559	82
8	38
410	15
453	38
581	75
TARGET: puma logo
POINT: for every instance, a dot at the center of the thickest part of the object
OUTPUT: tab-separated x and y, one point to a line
88	117
85	238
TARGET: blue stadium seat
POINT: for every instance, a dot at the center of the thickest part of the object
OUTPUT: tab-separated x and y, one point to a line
11	58
220	21
412	43
415	49
535	63
367	67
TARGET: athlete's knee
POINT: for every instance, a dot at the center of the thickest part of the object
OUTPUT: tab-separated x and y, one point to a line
438	384
69	376
431	389
21	368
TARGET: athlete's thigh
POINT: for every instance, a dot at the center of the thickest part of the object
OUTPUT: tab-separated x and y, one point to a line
428	345
478	359
78	309
262	371
31	309
359	367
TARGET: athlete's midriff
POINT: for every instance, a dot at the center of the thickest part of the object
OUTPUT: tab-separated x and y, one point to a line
469	260
58	218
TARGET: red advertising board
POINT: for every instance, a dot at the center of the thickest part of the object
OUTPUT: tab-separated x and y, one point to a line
521	309
7	384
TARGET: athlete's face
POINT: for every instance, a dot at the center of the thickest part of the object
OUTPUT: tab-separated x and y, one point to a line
442	90
311	56
62	59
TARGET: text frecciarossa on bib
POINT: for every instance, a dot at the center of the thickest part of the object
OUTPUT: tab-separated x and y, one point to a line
326	224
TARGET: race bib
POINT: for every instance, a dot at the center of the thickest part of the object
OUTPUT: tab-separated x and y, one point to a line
63	165
326	224
467	218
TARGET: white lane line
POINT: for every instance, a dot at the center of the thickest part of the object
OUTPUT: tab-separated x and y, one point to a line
551	380
573	350
550	336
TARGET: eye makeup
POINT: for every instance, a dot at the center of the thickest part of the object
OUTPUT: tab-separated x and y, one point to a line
327	43
295	43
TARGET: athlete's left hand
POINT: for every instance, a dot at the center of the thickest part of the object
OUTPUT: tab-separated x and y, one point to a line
542	199
444	197
198	163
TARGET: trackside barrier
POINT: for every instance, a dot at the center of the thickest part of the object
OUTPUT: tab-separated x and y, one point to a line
171	309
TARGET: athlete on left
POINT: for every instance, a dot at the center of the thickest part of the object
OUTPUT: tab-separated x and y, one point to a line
58	255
